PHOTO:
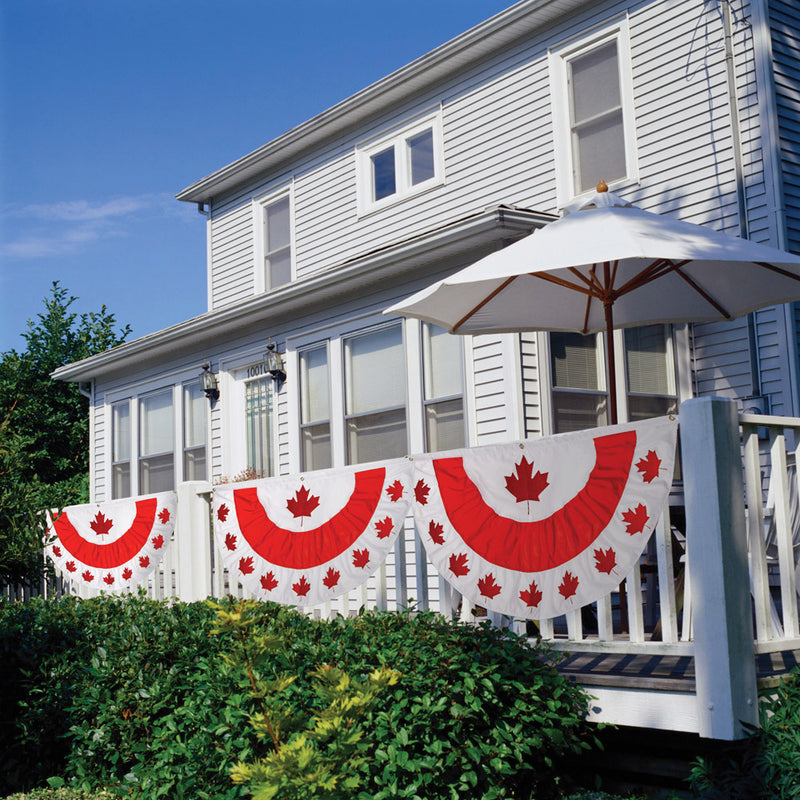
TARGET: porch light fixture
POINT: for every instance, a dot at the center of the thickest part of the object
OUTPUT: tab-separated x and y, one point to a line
274	363
208	382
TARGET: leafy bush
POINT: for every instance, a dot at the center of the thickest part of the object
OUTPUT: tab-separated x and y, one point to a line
136	694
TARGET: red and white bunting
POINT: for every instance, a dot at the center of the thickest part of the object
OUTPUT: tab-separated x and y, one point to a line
306	539
540	528
113	545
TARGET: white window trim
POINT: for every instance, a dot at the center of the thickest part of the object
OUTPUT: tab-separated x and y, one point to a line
560	106
396	138
259	234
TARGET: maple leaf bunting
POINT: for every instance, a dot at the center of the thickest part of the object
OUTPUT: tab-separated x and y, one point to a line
541	527
304	540
112	546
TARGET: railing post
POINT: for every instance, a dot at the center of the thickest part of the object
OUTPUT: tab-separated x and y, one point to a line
193	541
716	541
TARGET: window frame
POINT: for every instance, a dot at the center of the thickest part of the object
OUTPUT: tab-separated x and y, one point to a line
304	426
398	139
260	205
560	94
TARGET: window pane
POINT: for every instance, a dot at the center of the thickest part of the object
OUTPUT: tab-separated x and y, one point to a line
443	362
121	432
444	423
259	426
279	268
156	474
194	464
573	411
194	416
574	361
156	432
316	444
278	230
314	386
121	480
373	437
420	149
595	82
375	371
643	407
599	152
648	361
383	176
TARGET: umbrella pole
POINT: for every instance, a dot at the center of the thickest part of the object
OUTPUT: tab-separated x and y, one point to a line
608	306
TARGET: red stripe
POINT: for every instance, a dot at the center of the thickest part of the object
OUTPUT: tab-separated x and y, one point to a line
547	543
306	549
113	554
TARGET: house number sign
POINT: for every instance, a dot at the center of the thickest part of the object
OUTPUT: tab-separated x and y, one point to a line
255	370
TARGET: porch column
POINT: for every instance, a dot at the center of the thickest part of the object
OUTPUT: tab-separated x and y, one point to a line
193	541
716	542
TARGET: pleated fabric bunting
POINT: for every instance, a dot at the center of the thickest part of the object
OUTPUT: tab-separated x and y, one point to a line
306	539
540	528
115	545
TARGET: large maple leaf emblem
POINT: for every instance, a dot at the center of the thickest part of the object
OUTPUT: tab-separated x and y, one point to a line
222	513
421	491
230	541
268	581
246	565
163	516
523	484
303	503
331	577
101	525
605	560
360	558
301	588
649	466
384	527
436	532
488	587
531	596
569	585
395	491
635	519
458	564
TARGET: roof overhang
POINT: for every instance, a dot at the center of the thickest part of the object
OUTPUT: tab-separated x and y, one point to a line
389	266
454	57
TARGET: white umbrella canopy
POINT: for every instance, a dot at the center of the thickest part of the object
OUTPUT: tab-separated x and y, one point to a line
609	265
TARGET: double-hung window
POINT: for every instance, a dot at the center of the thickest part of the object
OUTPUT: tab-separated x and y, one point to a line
650	372
121	449
443	388
401	164
156	442
315	423
273	241
195	410
593	112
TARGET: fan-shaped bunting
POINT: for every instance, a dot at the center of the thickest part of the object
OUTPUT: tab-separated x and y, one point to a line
113	545
306	539
542	527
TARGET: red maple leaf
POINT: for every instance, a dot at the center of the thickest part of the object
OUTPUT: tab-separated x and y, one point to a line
569	585
635	519
605	560
144	562
127	574
163	515
158	541
649	466
488	587
531	596
303	503
436	532
222	513
57	550
395	491
524	485
384	527
268	581
100	524
331	577
301	587
70	565
109	579
230	541
246	565
421	491
87	576
458	564
360	558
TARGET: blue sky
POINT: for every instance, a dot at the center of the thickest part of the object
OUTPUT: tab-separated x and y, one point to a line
109	108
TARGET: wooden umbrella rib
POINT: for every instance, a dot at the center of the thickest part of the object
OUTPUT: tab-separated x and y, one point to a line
566	284
483	302
703	293
779	270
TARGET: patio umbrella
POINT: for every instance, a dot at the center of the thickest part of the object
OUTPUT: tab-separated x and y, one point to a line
609	265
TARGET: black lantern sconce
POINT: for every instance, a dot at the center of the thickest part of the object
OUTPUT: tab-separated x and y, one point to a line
274	363
208	382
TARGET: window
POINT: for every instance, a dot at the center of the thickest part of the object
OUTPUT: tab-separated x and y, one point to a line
260	426
273	242
443	389
400	165
593	113
375	395
121	449
156	442
315	424
650	372
578	375
195	408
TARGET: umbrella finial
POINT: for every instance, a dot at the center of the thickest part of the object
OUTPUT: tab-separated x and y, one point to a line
602	186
